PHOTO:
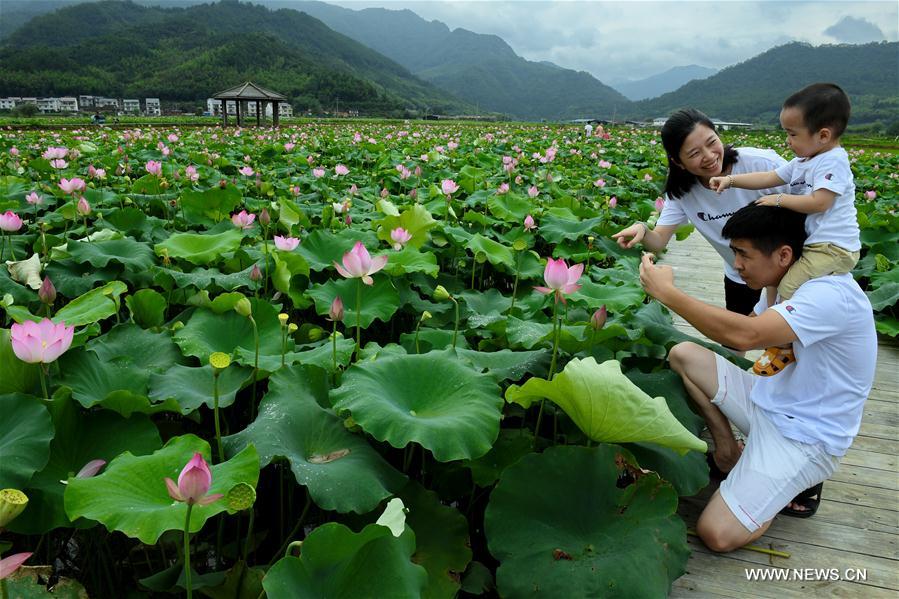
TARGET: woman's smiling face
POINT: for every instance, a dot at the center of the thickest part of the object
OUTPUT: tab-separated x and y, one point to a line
702	153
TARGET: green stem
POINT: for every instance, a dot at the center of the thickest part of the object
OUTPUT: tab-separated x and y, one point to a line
283	345
43	373
358	317
515	284
334	347
2	245
255	365
552	364
287	542
417	327
190	591
246	545
456	324
265	251
218	428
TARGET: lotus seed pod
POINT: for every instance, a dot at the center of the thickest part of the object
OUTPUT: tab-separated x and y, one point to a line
12	503
441	294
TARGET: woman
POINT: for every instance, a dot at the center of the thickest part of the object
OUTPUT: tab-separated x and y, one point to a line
696	154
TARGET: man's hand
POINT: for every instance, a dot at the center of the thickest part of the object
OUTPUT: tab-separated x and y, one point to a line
656	280
628	238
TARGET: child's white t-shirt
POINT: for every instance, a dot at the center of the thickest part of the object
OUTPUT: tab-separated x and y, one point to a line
829	170
708	210
819	398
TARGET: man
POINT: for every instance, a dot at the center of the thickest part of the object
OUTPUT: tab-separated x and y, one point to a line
799	423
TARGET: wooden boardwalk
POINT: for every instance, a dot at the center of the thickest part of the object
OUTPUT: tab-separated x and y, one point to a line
857	524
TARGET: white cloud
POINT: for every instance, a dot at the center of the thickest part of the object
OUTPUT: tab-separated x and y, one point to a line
632	40
854	31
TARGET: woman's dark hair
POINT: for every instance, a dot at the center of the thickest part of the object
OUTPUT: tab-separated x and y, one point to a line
675	130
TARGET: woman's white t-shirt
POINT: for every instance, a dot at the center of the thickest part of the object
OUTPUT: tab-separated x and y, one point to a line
708	210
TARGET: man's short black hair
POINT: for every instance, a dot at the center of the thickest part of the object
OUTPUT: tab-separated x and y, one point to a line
768	228
823	105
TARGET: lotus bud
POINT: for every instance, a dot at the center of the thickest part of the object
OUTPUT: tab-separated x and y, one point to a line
244	307
413	194
12	503
255	273
47	292
83	207
315	334
91	469
264	218
441	294
177	326
335	313
598	320
425	316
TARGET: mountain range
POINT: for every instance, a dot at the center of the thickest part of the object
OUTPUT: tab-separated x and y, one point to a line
392	62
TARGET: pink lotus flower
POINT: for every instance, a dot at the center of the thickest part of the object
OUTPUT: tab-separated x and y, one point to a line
10	564
660	203
243	220
289	146
154	168
560	279
295	190
318	172
191	173
599	183
286	244
83	207
172	138
43	341
400	237
10	222
90	469
246	171
341	169
502	189
358	263
647	177
518	180
353	189
529	224
59	163
533	192
870	194
193	483
598	320
33	198
613	202
335	312
55	153
449	187
14	151
604	164
72	185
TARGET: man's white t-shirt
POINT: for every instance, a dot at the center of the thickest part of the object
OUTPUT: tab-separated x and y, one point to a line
709	210
829	170
819	398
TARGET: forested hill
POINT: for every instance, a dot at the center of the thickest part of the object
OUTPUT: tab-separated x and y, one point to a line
754	90
479	68
126	50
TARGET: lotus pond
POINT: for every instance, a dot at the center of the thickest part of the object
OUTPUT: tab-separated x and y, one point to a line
349	360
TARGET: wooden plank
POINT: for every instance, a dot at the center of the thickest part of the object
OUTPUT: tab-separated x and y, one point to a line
886	446
726	575
866	477
856	494
871	459
817	532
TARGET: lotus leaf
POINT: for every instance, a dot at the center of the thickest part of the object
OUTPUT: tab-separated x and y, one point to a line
337	562
607	406
24	439
126	251
93	306
16	376
191	387
340	469
130	495
379	301
197	248
433	399
561	527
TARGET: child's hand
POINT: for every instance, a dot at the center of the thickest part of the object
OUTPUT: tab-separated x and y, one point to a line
768	200
719	184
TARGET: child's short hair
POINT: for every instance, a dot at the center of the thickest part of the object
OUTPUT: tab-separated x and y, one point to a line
823	105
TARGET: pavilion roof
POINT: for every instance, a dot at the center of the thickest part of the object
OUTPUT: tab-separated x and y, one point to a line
248	91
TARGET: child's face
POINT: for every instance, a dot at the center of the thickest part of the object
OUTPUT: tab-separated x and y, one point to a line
803	142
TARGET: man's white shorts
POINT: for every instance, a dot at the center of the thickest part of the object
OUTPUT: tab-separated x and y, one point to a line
772	469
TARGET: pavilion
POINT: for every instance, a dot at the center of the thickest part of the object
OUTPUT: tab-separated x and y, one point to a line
245	93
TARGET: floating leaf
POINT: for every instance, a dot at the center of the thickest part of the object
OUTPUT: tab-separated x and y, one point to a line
199	248
24	439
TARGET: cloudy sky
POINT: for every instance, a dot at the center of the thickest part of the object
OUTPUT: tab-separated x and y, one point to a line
635	39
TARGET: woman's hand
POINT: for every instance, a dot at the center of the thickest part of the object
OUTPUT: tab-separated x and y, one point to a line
628	238
770	200
719	184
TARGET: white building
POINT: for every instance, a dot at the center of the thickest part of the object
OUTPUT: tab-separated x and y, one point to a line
154	108
48	104
68	104
214	108
9	103
106	103
132	106
86	102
